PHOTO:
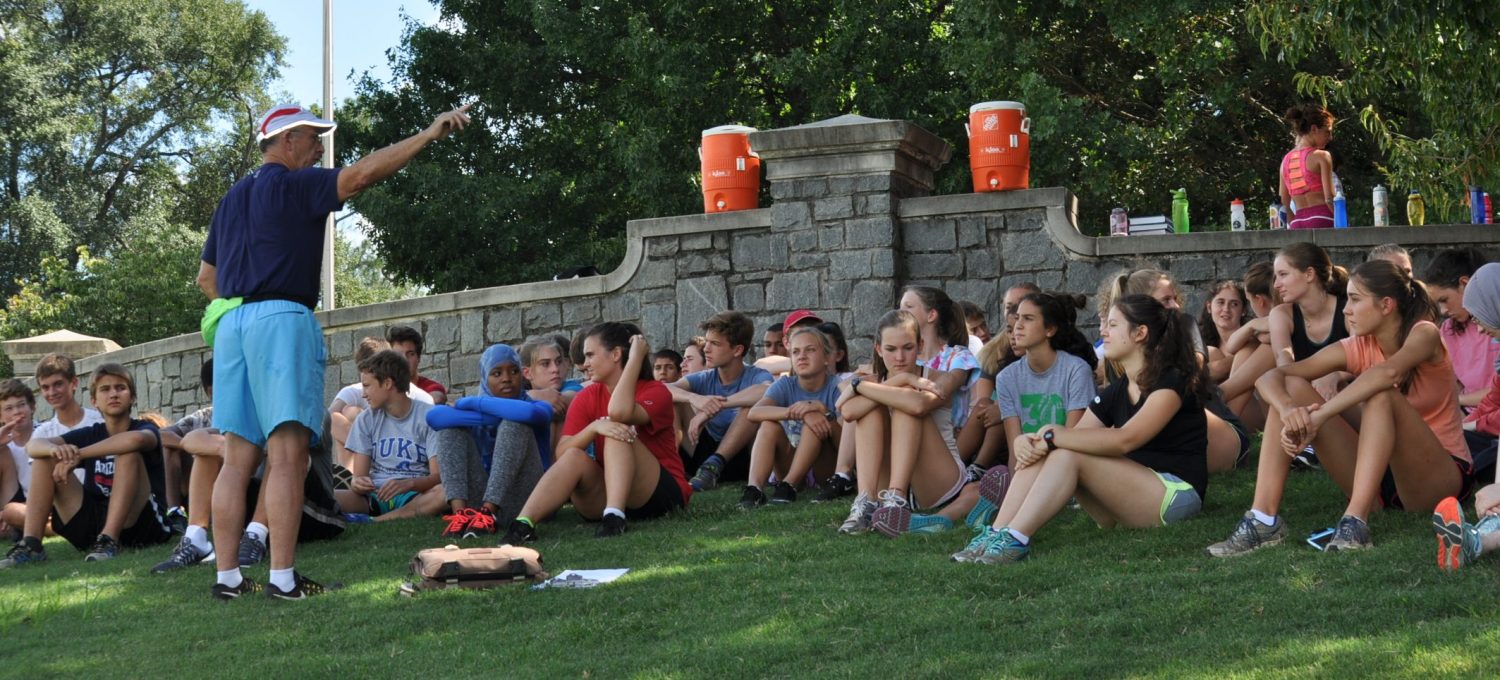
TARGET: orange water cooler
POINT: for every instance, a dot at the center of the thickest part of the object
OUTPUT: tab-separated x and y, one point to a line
731	171
999	146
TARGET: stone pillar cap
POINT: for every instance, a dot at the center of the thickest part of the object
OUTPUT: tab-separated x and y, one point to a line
26	351
851	145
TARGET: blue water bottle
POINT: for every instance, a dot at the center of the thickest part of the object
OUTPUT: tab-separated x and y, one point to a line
1340	211
1476	205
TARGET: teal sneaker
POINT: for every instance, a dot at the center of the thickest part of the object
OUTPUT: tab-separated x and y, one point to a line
928	524
976	546
992	487
1004	549
1458	541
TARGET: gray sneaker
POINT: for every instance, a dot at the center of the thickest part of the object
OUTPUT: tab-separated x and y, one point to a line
1249	535
104	548
1352	533
976	545
893	517
252	551
184	555
861	516
707	478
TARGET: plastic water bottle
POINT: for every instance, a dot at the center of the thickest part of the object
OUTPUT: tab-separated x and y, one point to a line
1340	211
1489	213
1236	215
1119	222
1476	206
1284	217
1180	211
1274	215
1416	210
1382	208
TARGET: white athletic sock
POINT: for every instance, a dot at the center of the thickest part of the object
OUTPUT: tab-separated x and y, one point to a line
258	531
844	475
231	578
1263	518
614	511
199	536
284	579
1021	538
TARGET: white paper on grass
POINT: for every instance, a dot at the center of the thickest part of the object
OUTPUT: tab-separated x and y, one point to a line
581	578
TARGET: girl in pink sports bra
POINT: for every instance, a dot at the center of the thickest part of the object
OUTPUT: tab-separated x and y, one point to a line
1307	170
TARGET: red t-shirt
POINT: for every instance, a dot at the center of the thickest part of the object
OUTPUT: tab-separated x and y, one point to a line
593	403
429	385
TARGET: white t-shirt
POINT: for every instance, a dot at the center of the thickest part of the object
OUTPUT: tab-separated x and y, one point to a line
23	467
54	428
354	395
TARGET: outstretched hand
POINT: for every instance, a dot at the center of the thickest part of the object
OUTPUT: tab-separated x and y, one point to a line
450	122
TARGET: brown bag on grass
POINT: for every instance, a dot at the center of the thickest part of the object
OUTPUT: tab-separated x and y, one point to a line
455	567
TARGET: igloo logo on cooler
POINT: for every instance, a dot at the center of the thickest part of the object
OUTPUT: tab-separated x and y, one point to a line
991	122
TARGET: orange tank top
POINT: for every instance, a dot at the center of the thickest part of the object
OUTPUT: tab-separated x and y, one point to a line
1433	393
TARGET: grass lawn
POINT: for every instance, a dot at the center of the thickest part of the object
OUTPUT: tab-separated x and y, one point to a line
717	592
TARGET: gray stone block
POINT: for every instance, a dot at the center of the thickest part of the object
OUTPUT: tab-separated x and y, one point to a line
621	306
970	232
836	295
655	273
172	367
870	232
928	235
659	323
502	325
1192	270
1030	251
882	263
575	314
1234	267
791	216
702	262
849	264
752	252
871	299
471	331
833	208
792	290
809	260
656	295
721	241
697	241
802	241
861	184
153	373
1026	220
462	371
1084	277
872	204
698	299
662	246
341	344
541	317
831	237
980	263
814	187
982	293
441	334
934	265
748	298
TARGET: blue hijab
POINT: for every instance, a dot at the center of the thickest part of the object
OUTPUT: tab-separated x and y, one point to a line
494	355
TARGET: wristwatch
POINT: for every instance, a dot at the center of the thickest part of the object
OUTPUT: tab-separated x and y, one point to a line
1050	436
854	386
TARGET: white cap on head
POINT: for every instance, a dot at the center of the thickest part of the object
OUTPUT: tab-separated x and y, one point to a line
285	116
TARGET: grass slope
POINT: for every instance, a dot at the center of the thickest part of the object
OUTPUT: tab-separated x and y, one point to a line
714	592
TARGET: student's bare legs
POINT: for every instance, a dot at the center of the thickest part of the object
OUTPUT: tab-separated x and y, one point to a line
1335	444
872	436
10	481
630	475
1223	443
809	451
338	427
201	489
240	460
46	493
573	476
737	437
920	460
286	468
429	503
1112	490
128	496
771	451
845	461
1395	436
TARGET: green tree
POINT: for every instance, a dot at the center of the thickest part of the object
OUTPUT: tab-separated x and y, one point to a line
360	277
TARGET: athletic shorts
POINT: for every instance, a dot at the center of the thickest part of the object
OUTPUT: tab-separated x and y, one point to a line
666	498
269	358
1181	500
379	507
20	497
86	525
1244	454
1391	499
1316	217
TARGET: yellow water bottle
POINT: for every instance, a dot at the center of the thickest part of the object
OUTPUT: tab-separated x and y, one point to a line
1416	210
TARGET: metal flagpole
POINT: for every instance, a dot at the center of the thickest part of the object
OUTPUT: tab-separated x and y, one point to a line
330	227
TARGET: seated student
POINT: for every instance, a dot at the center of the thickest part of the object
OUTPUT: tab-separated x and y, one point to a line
627	417
175	463
1409	451
58	383
545	368
1250	347
394	475
17	405
1394	254
119	503
491	447
796	422
1474	354
575	354
974	319
1135	459
781	364
905	450
1224	312
722	394
321	519
666	366
841	482
692	355
350	400
773	344
1459	542
407	342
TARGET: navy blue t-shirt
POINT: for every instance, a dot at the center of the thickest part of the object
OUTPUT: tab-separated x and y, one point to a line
266	238
99	473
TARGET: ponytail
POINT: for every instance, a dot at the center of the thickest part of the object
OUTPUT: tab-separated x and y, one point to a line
1168	347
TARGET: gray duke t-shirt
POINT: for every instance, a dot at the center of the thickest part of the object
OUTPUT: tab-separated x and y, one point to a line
1040	399
398	448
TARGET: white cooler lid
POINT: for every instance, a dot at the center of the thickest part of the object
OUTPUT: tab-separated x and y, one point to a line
987	106
728	130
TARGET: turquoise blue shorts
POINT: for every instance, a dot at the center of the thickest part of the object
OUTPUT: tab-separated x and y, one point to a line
268	370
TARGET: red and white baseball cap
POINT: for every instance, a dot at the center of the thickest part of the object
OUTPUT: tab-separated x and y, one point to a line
798	317
286	116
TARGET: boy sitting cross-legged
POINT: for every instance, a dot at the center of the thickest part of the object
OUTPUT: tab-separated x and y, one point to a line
118	503
721	395
797	425
394	477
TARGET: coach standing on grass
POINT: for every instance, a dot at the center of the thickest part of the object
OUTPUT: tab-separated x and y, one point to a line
260	268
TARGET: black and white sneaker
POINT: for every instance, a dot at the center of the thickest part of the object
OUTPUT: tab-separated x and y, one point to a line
612	525
184	555
834	488
784	494
519	533
252	551
301	590
752	498
246	587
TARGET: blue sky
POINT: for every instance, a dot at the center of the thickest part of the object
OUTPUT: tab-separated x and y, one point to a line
362	31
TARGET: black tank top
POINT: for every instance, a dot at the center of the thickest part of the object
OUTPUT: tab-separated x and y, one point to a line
1302	346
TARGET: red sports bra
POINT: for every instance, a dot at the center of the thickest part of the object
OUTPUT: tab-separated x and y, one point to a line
1295	174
